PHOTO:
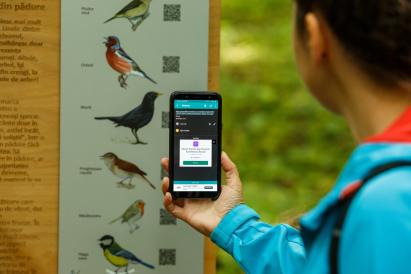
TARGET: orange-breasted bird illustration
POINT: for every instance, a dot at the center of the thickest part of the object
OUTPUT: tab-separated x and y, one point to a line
133	213
135	12
124	170
118	256
119	61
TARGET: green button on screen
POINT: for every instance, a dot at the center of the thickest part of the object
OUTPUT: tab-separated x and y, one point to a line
195	163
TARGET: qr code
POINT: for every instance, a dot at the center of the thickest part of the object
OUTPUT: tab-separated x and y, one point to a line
167	257
166	218
171	64
172	12
165	119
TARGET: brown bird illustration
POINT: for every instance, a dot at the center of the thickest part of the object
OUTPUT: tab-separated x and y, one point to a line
124	170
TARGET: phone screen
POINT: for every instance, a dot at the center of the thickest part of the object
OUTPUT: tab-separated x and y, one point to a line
196	148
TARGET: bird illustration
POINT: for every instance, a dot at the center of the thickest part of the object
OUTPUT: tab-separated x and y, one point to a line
135	12
119	61
118	256
133	213
137	117
124	170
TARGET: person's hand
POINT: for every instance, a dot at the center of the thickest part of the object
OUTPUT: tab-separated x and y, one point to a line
205	214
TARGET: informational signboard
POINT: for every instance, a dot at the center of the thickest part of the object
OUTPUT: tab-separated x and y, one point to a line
168	46
118	66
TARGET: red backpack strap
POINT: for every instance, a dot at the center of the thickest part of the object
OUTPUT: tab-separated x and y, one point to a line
343	206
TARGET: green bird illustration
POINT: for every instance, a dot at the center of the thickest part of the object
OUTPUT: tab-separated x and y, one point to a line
135	12
133	213
118	256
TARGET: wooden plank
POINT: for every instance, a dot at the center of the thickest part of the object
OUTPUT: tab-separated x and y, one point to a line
29	204
214	45
213	84
29	133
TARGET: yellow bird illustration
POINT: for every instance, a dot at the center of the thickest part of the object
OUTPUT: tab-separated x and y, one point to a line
135	12
118	256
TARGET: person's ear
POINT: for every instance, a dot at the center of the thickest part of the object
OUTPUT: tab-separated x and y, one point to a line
316	38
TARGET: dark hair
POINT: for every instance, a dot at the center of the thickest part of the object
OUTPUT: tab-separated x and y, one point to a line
377	33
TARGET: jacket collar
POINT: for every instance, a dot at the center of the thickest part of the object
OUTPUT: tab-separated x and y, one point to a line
391	145
398	132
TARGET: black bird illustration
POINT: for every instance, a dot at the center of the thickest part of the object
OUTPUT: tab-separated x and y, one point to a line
137	117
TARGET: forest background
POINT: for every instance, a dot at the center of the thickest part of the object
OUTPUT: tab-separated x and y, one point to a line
289	150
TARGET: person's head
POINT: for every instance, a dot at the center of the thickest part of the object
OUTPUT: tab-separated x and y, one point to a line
367	39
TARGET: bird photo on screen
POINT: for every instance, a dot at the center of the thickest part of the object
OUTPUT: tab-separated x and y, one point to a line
119	257
124	170
132	214
137	117
135	12
119	61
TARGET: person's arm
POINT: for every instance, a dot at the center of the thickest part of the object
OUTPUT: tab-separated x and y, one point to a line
258	247
377	235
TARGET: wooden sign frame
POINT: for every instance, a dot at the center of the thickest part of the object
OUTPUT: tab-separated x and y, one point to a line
213	84
30	106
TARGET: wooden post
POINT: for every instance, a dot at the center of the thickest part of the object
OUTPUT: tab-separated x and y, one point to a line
213	84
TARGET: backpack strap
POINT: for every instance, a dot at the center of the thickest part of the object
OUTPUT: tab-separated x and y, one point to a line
344	204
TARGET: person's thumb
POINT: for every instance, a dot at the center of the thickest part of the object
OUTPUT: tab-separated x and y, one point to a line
231	173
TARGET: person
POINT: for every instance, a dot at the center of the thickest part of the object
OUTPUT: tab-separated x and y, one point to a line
355	58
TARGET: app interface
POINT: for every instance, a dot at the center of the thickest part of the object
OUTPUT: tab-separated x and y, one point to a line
195	145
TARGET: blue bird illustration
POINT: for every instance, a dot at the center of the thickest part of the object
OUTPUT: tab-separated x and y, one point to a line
118	256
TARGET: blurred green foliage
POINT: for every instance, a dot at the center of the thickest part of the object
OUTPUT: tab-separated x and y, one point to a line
288	149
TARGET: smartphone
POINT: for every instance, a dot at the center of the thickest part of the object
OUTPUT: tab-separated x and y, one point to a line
195	144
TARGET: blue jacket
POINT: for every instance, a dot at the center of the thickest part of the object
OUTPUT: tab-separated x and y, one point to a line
376	238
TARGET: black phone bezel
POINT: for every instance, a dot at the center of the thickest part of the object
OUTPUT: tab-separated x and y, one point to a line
194	95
